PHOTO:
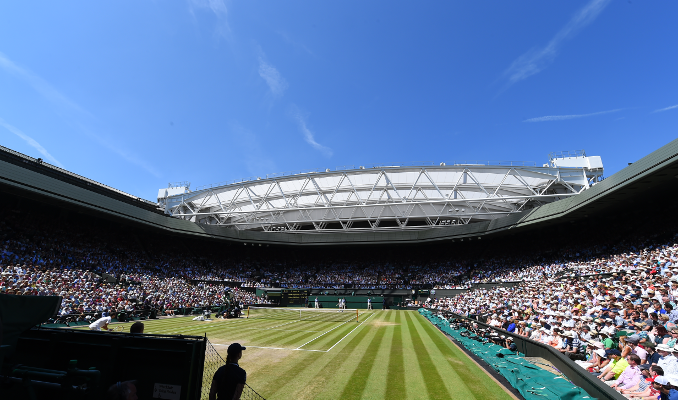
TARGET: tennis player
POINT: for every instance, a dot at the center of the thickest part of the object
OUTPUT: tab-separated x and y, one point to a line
369	303
101	323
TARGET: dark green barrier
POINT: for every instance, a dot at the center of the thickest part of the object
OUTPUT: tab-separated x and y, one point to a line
531	381
351	301
152	360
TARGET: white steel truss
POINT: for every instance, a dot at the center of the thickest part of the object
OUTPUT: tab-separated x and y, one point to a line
380	198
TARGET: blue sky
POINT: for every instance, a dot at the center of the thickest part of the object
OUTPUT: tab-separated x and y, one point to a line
136	94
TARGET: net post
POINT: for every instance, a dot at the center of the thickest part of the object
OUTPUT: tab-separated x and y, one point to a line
356	315
248	312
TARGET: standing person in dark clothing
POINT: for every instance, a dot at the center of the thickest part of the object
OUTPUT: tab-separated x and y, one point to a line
229	380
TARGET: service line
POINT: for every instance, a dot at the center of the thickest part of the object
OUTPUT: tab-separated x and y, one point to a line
350	332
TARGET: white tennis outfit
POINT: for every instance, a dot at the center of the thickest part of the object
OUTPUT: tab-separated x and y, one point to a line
98	324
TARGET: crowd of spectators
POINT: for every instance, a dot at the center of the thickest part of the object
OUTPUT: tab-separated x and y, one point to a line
95	274
616	315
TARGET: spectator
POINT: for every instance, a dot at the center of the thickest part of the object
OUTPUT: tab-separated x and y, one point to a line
137	327
666	390
615	368
630	376
229	380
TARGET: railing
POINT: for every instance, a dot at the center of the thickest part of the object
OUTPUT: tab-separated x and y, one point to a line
180	184
567	154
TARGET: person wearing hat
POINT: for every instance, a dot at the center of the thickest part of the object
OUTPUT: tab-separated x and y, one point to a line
608	343
616	366
666	390
668	362
585	333
229	380
609	327
598	360
652	356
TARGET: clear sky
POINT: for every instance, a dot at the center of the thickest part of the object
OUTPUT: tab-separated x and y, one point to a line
136	94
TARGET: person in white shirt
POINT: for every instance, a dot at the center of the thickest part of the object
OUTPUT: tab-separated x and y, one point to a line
668	361
101	323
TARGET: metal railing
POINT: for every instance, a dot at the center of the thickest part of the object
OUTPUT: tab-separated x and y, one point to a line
567	154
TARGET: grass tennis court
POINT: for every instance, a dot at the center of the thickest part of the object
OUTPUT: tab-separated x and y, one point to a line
387	355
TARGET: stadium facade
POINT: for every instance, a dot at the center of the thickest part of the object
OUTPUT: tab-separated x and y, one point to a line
26	177
384	197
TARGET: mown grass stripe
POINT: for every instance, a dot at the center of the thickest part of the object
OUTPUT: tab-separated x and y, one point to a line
395	387
304	364
333	363
391	315
329	340
434	382
298	340
476	380
447	367
375	386
269	336
358	380
289	373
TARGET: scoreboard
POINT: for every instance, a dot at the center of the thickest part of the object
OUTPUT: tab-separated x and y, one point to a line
293	296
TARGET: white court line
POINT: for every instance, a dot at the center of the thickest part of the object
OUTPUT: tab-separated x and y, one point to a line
323	334
350	332
273	348
284	330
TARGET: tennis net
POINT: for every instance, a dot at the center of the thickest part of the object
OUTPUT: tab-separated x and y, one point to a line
304	314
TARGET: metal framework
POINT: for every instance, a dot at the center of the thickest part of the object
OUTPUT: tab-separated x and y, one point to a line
377	198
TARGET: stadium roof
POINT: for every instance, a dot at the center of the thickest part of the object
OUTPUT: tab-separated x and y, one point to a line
384	197
34	178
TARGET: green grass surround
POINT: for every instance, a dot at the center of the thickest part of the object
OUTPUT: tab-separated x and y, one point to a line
391	355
